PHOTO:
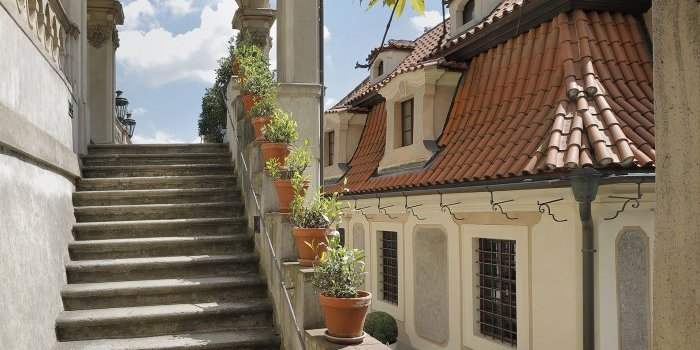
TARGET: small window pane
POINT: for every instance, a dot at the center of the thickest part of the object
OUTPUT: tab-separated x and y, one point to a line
389	267
380	68
331	148
468	12
496	284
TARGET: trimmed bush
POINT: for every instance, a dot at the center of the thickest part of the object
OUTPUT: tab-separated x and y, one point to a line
382	327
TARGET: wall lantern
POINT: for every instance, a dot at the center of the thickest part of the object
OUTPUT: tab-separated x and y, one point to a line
130	124
121	106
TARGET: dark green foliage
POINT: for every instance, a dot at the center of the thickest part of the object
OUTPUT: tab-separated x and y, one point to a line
340	271
212	119
382	327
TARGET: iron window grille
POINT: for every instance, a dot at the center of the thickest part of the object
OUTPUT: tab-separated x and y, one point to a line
468	11
389	267
341	232
407	123
380	68
331	147
497	293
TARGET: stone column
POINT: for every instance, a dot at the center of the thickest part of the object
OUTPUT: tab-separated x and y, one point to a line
298	48
103	41
676	275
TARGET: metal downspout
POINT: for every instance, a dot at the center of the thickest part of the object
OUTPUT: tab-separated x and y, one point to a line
321	45
584	184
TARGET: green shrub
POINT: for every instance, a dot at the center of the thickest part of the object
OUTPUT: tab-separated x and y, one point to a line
322	211
274	169
382	327
340	271
264	107
256	77
281	128
299	158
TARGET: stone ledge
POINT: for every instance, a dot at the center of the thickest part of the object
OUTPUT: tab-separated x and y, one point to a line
315	340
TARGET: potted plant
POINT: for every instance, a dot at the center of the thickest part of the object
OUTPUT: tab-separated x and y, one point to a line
382	327
298	160
338	276
312	220
257	81
261	113
279	132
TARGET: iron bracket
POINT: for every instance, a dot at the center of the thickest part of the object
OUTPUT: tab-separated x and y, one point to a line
383	209
410	208
497	206
541	207
446	208
634	200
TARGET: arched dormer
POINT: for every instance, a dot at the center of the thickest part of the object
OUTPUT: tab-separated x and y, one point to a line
466	13
384	60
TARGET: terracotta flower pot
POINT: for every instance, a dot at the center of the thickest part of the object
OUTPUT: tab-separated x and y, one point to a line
308	255
275	150
249	101
345	317
258	123
236	66
285	193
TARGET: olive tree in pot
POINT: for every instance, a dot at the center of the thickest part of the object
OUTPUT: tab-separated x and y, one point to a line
280	132
382	327
298	160
262	112
312	220
338	276
256	78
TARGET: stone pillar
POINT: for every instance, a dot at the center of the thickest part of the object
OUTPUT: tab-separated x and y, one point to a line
103	41
298	48
676	274
256	18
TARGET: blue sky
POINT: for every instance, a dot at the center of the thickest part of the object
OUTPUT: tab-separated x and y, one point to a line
169	50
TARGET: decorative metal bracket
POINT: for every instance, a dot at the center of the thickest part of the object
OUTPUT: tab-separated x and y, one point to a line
634	200
446	208
383	209
361	210
497	206
410	208
541	207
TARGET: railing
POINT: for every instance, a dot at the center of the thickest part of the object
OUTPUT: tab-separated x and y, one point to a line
275	261
263	229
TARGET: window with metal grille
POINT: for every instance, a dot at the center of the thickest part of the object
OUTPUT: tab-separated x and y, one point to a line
389	268
380	68
341	232
407	123
496	299
331	147
468	11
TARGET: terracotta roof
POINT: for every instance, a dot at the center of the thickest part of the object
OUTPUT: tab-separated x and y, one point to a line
391	45
343	104
369	151
572	92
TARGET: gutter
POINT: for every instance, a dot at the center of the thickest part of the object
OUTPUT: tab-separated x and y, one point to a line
521	183
321	108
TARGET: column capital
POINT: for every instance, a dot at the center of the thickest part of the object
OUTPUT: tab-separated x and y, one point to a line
103	18
256	21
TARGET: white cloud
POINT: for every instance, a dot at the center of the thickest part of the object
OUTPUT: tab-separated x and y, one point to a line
160	137
428	20
159	56
178	7
138	15
138	111
330	102
326	33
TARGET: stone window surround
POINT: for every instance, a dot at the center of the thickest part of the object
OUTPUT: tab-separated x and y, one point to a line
341	123
376	228
390	58
482	8
421	86
470	332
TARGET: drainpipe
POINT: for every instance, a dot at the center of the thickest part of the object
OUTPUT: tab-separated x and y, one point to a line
323	92
584	184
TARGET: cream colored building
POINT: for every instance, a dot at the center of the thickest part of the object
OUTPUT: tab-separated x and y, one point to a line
502	184
56	97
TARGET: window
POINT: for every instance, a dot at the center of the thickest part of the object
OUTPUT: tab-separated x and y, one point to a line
331	147
341	231
496	276
468	12
389	267
407	123
380	68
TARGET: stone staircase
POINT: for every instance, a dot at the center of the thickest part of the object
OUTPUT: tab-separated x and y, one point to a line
161	258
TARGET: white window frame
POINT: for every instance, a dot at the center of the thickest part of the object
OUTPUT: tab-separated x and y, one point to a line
472	337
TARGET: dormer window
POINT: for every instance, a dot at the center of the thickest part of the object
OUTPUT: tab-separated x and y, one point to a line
380	68
331	148
468	11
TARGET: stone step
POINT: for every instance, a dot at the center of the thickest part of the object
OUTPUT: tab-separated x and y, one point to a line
154	159
244	339
134	269
158	149
145	321
159	196
159	228
156	182
157	211
103	171
159	246
84	296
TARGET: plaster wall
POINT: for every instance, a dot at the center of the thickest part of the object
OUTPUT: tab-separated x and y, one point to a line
676	297
36	217
348	129
548	263
391	59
